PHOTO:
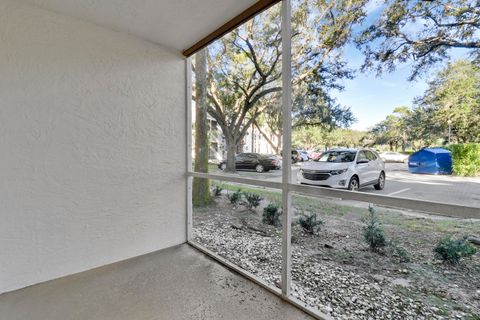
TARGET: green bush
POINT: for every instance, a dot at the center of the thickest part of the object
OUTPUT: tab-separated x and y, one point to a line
399	252
235	197
253	200
373	232
309	223
271	215
217	191
453	250
466	159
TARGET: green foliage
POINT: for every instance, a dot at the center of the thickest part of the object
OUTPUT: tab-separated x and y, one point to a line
449	110
453	99
373	232
252	200
217	191
392	131
399	251
235	197
318	137
466	159
244	74
271	215
310	223
420	33
453	250
320	31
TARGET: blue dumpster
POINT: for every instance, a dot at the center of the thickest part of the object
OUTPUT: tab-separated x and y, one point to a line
431	161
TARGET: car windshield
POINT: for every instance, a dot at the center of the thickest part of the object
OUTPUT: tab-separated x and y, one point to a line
338	156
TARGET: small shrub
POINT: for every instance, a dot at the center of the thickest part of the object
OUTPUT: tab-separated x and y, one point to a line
217	191
453	250
253	200
310	223
399	251
235	197
271	215
373	232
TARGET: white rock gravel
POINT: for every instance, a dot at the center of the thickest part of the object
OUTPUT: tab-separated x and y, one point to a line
323	285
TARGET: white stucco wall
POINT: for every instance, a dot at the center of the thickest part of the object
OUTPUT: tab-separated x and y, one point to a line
92	136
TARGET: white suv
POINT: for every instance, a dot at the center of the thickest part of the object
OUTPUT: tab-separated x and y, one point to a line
350	169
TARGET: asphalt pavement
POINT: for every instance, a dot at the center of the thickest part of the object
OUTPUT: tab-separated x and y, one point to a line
438	188
401	183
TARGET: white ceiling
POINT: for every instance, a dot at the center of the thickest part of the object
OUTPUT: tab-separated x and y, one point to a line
177	24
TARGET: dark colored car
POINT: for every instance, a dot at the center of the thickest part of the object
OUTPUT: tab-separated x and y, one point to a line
296	157
253	161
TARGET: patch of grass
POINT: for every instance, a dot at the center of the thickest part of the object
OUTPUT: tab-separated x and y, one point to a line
327	208
212	168
445	305
388	217
443	225
266	194
453	226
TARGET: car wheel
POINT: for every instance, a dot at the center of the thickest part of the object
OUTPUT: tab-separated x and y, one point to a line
223	166
259	168
381	182
354	184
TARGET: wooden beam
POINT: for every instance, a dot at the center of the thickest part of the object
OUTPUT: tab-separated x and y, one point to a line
246	15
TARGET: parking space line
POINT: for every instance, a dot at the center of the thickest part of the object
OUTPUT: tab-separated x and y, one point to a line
399	191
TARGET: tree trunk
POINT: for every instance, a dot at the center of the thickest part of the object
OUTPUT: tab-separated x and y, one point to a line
239	145
231	151
201	194
253	138
278	148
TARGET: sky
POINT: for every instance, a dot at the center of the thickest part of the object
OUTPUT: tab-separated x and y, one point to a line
371	98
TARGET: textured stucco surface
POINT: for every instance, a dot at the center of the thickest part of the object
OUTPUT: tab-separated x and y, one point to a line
92	137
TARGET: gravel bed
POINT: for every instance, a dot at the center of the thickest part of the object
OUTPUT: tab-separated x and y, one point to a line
322	284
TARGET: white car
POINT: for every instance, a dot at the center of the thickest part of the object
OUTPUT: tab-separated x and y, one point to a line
393	157
350	169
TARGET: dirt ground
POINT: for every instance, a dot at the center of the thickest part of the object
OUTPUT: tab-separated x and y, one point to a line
334	271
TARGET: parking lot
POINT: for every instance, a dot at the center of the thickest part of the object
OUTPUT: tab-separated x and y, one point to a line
401	183
438	188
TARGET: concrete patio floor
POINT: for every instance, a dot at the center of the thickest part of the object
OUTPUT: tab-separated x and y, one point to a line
175	283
